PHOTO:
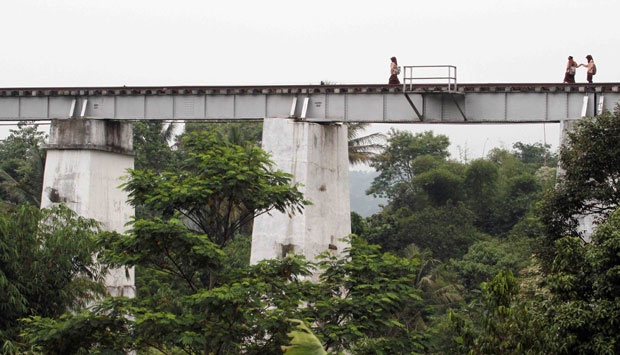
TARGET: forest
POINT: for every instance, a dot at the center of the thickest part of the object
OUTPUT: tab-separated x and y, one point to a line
488	256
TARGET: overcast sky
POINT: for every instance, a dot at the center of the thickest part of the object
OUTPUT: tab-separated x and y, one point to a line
51	43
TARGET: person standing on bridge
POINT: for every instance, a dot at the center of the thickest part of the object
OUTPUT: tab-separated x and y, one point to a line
394	71
571	69
591	68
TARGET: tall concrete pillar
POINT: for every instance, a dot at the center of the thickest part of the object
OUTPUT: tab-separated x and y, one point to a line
85	162
317	156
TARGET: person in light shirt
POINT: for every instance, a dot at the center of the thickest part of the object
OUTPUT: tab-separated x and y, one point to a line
393	72
571	69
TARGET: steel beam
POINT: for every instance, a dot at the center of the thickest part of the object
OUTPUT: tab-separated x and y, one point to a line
472	103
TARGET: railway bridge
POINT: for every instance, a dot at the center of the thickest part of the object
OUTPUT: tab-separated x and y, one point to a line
90	144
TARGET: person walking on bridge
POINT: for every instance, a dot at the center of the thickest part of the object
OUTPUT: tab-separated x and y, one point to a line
571	69
591	68
394	71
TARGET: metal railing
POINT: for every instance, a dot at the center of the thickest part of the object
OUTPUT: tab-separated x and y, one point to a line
429	75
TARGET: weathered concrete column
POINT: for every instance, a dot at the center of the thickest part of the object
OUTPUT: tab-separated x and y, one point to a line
317	156
85	162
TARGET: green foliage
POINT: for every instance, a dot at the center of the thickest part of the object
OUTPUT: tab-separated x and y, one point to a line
485	259
588	184
22	162
367	297
195	213
236	133
562	310
501	322
380	229
362	149
357	224
396	163
368	301
152	141
242	315
197	293
585	284
169	248
516	189
481	218
446	231
86	332
217	188
513	203
481	185
445	206
535	155
441	182
46	265
303	341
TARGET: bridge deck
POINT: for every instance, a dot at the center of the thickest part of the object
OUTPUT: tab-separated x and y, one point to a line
428	103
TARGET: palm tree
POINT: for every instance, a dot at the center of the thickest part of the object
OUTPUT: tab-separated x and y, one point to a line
362	148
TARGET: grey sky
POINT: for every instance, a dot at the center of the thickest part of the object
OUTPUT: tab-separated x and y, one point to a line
196	42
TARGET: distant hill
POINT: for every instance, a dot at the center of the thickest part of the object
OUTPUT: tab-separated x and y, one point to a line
362	204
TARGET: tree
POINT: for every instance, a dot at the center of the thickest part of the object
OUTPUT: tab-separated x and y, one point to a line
182	307
46	266
195	214
447	231
584	284
516	190
433	215
368	301
440	181
536	154
365	301
485	259
481	186
237	133
152	143
22	163
499	323
396	163
362	149
217	188
590	179
244	314
581	274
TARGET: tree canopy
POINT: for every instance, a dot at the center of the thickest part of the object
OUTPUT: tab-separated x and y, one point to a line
22	162
590	174
465	257
396	164
216	187
46	266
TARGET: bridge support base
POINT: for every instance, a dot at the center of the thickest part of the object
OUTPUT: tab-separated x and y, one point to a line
85	161
317	156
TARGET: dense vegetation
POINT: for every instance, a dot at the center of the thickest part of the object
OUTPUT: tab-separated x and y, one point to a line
479	257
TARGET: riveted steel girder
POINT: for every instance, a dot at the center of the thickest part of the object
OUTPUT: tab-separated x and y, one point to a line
472	103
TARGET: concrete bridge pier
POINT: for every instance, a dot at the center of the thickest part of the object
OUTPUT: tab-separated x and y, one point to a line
86	159
317	156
